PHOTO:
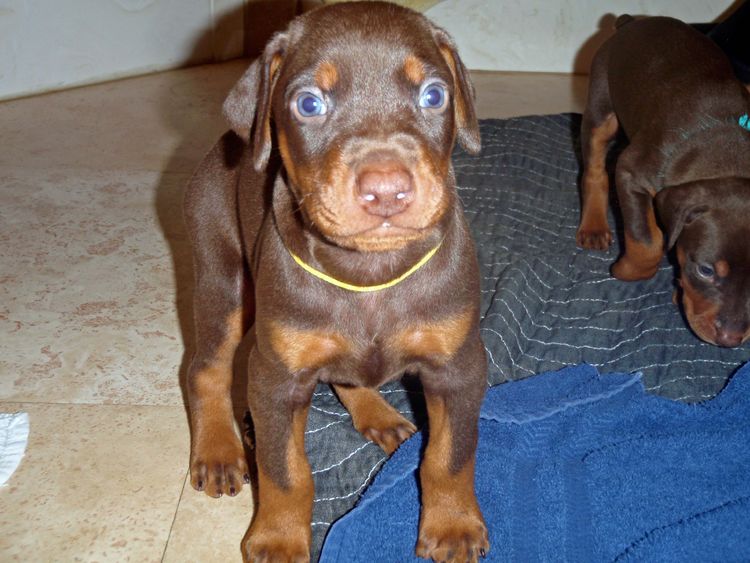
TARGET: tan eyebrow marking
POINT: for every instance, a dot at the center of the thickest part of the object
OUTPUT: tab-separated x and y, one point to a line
414	70
326	76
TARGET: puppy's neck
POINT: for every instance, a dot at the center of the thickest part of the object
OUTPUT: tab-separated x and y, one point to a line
347	265
688	161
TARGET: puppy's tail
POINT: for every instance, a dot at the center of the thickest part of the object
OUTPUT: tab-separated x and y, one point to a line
623	20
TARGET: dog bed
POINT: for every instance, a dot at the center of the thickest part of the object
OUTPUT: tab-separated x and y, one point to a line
546	304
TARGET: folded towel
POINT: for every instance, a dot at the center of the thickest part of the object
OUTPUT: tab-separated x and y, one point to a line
14	433
574	466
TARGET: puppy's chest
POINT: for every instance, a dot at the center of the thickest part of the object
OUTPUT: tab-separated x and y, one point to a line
368	345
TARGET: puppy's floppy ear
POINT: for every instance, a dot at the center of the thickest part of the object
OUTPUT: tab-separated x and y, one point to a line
680	205
466	118
248	105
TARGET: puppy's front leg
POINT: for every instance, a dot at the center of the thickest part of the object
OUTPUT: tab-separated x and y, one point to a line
279	403
451	526
644	241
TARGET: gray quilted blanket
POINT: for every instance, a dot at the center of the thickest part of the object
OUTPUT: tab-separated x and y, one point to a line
545	302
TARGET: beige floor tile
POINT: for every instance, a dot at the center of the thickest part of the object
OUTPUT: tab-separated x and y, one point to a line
97	483
208	529
90	271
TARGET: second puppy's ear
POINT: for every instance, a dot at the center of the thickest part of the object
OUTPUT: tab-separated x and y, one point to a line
248	105
680	205
466	118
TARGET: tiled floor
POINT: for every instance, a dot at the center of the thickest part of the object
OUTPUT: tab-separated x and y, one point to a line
94	312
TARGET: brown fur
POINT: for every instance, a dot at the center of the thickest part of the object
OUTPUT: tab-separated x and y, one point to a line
328	194
686	168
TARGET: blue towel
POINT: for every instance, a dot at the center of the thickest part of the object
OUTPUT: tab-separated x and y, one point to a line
574	466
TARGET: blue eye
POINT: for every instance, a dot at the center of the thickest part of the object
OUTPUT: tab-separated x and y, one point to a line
705	271
432	97
310	105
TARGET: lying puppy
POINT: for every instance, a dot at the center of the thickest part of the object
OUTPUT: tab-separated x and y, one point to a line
685	114
327	223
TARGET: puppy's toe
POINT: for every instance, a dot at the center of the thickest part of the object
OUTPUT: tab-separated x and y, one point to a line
275	547
594	239
220	470
390	437
461	540
626	269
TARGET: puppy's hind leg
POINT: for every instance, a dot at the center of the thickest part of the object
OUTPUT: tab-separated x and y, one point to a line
374	418
597	130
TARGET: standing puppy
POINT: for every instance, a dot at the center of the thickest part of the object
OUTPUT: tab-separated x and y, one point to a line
685	114
327	223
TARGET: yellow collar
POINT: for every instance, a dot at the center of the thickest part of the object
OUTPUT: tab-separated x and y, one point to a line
366	288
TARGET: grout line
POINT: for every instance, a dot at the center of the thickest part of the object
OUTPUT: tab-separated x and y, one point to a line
174	518
67	404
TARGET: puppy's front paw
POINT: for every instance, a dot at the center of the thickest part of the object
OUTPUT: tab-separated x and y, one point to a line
219	467
629	270
454	539
275	547
594	238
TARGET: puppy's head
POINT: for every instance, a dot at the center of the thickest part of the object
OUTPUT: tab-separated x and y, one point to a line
708	223
366	100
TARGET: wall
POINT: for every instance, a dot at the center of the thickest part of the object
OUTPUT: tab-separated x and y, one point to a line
49	44
548	35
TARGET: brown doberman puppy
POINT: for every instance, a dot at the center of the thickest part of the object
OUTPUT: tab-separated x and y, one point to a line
347	257
685	114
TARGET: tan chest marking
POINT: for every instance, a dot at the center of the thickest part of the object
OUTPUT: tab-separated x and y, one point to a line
299	349
441	338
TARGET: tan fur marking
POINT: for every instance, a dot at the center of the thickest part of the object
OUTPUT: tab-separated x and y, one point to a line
414	70
722	268
212	384
214	437
281	529
441	338
374	417
451	526
593	231
289	164
337	214
326	76
300	349
272	68
459	101
641	260
223	357
700	312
